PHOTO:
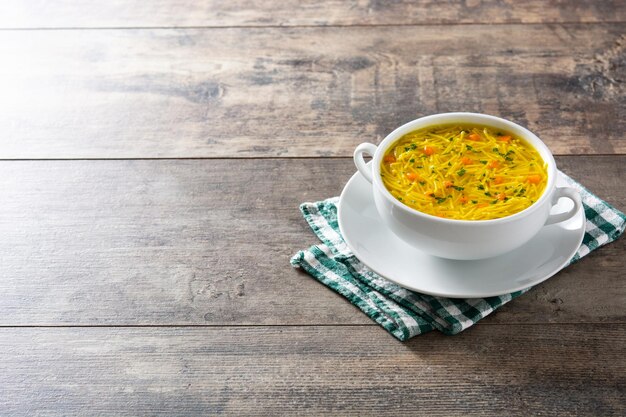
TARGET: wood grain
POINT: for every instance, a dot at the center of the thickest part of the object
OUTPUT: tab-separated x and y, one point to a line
215	13
209	242
305	92
487	370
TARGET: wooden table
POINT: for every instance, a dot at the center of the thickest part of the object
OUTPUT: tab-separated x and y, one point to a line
154	155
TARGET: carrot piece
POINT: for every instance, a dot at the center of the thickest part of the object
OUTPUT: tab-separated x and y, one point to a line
493	164
411	176
448	184
505	138
474	137
534	179
501	196
499	180
429	150
463	199
466	161
389	159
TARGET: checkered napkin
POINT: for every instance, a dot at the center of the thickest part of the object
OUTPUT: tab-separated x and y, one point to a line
405	313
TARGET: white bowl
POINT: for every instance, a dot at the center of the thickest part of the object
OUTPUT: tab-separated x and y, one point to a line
464	239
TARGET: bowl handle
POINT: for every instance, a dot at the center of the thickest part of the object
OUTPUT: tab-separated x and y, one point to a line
361	165
567	192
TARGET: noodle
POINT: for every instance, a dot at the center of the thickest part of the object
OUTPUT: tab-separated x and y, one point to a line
465	172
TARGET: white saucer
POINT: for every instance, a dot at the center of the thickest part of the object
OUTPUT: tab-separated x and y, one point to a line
388	256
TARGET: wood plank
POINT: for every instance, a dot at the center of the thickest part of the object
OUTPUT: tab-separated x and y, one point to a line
487	370
209	242
301	91
214	13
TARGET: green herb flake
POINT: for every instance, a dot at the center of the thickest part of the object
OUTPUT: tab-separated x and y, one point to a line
456	187
461	172
483	162
468	147
488	194
412	160
481	187
406	149
422	182
474	201
496	150
440	199
494	201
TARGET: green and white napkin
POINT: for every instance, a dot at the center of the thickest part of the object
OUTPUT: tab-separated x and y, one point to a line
406	313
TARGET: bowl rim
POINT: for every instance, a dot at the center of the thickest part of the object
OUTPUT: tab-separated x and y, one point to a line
481	118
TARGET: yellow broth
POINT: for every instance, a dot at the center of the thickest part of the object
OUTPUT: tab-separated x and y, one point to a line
465	172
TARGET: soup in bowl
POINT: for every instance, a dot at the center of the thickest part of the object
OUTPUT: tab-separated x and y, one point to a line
464	185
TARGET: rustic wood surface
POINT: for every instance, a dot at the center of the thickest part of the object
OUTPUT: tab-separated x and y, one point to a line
216	13
301	91
190	242
566	370
152	159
